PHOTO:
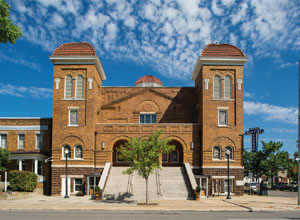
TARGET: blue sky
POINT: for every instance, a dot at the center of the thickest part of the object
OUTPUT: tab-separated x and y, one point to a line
162	38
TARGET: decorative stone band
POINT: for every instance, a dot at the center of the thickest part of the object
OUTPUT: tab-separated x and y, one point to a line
72	176
222	167
24	128
76	166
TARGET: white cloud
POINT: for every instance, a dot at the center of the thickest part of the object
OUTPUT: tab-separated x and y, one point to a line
20	61
176	31
272	112
283	130
249	95
21	91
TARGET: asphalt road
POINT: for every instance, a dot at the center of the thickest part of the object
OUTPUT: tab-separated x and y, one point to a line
153	215
282	193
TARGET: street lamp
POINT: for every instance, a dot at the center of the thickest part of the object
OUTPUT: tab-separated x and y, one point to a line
66	156
228	172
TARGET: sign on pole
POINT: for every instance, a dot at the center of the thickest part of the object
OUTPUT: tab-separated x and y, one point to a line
254	132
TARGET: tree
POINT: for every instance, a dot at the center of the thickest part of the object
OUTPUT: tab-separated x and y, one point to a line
270	160
8	31
4	159
143	155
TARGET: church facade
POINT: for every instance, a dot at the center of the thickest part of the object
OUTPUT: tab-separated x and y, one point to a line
92	121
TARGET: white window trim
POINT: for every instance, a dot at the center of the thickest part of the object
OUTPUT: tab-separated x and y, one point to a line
78	158
19	141
76	86
223	109
74	185
63	152
230	87
214	87
36	140
217	159
69	118
66	88
147	113
232	152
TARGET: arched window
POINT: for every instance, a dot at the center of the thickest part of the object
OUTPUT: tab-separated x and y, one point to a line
229	150
78	152
79	86
68	86
217	153
227	87
64	151
165	157
217	87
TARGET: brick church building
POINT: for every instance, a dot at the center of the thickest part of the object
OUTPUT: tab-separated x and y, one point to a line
92	121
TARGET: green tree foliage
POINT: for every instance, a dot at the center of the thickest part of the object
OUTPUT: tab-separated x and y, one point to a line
24	181
270	160
4	159
8	31
143	155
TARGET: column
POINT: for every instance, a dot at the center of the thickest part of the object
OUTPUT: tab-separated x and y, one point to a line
20	164
36	167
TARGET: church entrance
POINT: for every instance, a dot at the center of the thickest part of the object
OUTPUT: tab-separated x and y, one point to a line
117	161
174	158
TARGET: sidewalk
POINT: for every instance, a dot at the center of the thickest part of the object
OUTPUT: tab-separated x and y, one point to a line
246	203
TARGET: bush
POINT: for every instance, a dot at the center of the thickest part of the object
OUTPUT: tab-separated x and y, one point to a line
198	189
24	181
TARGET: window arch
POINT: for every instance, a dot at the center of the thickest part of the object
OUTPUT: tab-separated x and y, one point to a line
78	152
66	147
79	86
229	150
68	87
217	153
217	87
228	87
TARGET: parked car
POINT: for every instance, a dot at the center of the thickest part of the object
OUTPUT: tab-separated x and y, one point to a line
282	186
253	186
295	189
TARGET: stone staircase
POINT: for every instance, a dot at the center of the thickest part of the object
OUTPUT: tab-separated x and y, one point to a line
171	184
175	184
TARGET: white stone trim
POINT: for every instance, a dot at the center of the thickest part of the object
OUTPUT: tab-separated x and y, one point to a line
40	157
72	176
24	128
226	61
80	60
76	166
90	82
222	167
57	81
239	82
222	177
206	81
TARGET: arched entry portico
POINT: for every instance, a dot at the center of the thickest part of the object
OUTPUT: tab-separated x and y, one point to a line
116	159
174	158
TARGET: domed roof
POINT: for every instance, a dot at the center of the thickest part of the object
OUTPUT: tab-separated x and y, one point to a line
75	49
222	50
148	81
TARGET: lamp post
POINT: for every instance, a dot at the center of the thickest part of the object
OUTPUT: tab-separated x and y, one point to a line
66	156
228	173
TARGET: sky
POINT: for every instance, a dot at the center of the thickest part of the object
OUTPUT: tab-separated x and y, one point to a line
162	38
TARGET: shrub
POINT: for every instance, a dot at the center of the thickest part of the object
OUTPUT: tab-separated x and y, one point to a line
22	180
97	189
198	189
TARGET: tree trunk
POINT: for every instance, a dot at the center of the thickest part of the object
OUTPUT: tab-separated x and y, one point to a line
146	190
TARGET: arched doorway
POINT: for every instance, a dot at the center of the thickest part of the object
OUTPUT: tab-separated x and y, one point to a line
116	159
174	158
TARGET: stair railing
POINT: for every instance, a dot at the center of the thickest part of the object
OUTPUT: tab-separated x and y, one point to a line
130	184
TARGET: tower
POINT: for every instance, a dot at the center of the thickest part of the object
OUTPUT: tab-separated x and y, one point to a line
77	81
218	77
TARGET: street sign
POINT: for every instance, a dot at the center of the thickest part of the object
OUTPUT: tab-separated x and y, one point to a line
254	132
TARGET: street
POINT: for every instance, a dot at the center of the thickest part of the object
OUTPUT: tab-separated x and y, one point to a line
145	215
282	193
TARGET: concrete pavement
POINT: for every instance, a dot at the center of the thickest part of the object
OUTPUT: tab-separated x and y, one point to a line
246	203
